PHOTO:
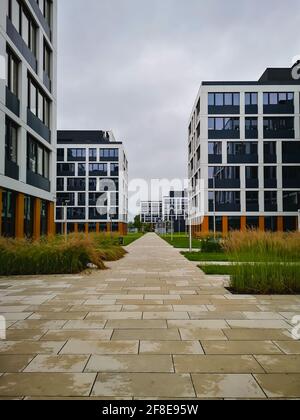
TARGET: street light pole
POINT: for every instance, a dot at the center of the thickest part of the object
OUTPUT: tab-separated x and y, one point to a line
215	207
215	221
190	220
65	206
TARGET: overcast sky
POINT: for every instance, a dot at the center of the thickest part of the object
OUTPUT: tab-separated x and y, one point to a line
135	66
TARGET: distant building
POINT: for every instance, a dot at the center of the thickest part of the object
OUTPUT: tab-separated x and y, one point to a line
151	212
169	213
244	142
175	210
92	182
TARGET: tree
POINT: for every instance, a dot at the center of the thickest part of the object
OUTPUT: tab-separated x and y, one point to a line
137	222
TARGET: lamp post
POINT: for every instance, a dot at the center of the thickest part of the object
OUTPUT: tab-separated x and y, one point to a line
172	213
111	213
65	229
214	191
190	198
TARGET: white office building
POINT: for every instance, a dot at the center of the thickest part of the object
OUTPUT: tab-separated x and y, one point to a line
92	183
28	44
244	142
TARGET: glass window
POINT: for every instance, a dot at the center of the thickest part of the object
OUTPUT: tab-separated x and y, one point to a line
46	165
251	172
92	184
12	73
219	99
47	60
236	99
211	123
273	99
33	33
211	99
81	169
60	155
40	161
25	29
228	99
40	106
46	112
11	141
31	156
47	12
93	154
33	98
15	14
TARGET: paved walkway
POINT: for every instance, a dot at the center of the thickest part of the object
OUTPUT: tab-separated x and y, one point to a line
151	327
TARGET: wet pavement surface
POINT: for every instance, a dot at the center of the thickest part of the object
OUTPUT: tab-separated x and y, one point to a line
152	326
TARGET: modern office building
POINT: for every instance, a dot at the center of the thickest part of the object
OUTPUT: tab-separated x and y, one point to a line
244	142
172	208
151	212
175	210
28	42
92	182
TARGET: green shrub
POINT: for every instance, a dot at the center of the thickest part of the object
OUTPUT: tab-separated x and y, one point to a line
266	278
56	255
211	245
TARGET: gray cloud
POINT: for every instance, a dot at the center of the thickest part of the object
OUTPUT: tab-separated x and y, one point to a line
134	66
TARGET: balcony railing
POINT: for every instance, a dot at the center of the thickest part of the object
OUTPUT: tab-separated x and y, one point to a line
223	134
223	110
242	158
38	181
40	17
11	169
20	44
12	102
38	126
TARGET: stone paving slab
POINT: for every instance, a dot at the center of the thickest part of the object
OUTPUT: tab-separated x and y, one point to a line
144	385
216	364
227	386
130	364
152	326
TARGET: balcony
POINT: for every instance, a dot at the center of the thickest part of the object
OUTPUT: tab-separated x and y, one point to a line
20	44
223	134
40	17
11	169
38	126
38	181
12	102
223	110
